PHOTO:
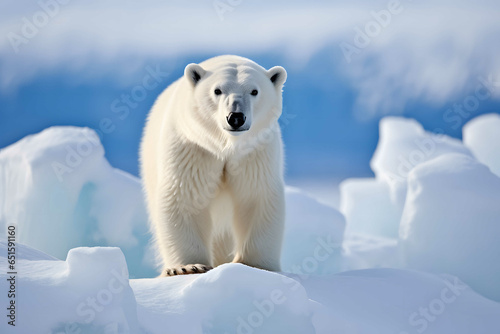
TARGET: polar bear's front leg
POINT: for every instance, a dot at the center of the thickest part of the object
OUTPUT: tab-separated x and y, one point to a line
257	189
184	224
183	241
259	224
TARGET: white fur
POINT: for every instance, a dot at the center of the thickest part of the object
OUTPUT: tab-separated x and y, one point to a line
216	196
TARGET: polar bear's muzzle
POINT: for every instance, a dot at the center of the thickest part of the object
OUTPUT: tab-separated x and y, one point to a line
236	119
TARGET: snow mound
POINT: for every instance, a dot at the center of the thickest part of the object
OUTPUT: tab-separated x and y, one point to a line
87	293
431	192
313	235
90	292
232	298
362	251
61	193
237	299
403	145
381	301
482	136
451	221
26	252
367	206
374	206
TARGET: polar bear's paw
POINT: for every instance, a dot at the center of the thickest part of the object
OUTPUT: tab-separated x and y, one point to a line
186	270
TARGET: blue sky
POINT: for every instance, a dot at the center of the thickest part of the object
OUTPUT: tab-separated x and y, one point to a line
410	58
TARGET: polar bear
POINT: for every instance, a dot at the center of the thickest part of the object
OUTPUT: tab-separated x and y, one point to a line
212	167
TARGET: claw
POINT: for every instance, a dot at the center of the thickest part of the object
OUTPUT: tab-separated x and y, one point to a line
186	270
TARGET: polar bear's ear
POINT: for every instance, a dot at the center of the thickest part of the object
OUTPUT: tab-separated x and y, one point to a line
194	73
277	75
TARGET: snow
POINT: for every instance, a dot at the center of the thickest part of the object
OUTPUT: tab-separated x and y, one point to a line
60	191
367	206
482	136
451	221
374	206
403	145
416	252
432	206
313	235
361	251
90	293
232	297
402	302
87	293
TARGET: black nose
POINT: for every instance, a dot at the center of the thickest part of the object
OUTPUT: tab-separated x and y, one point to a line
236	119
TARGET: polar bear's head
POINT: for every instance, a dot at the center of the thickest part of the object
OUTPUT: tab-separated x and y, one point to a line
235	95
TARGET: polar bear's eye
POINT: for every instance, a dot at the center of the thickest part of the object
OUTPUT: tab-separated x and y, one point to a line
254	92
217	91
